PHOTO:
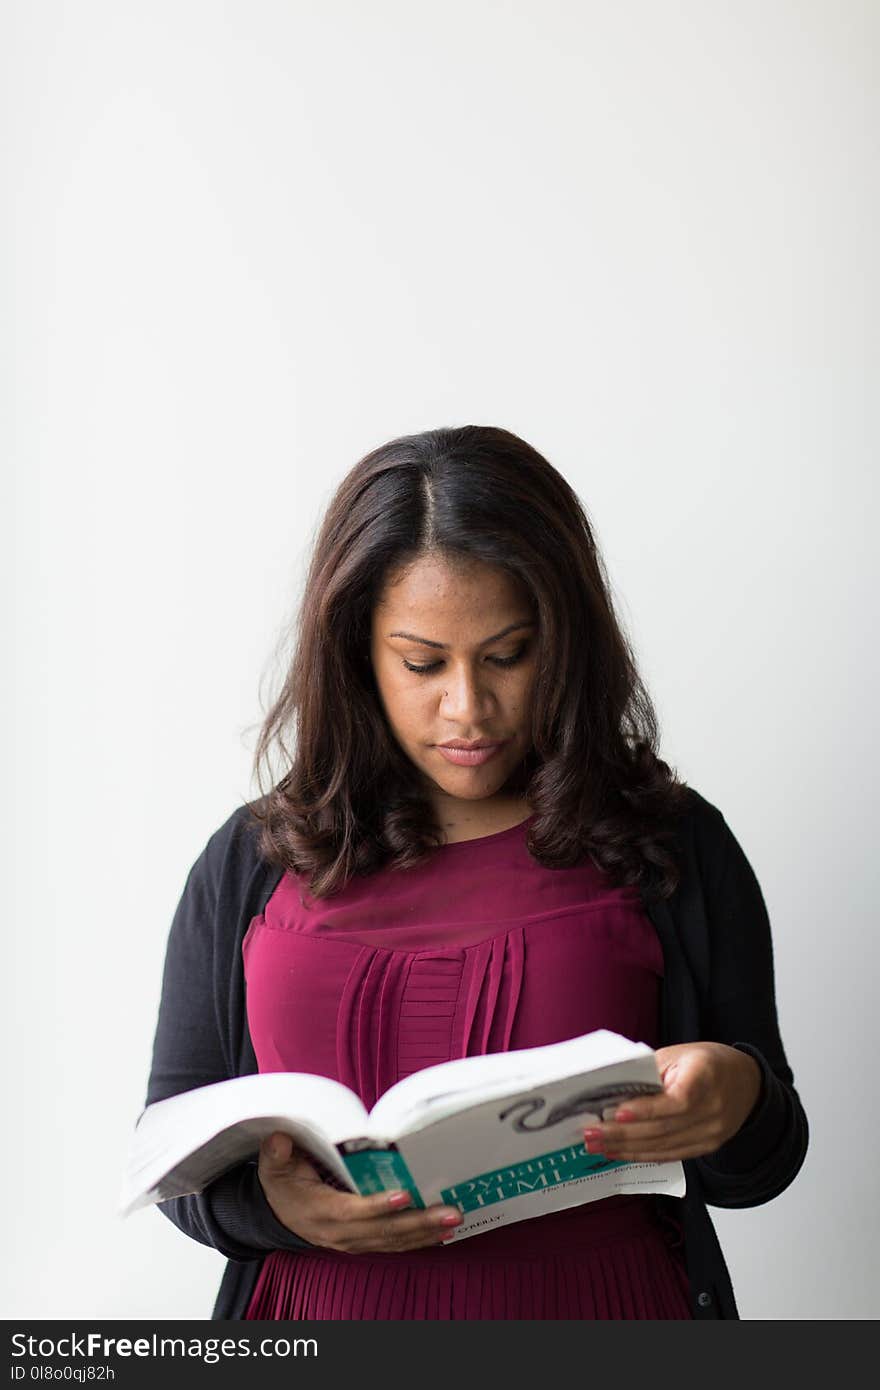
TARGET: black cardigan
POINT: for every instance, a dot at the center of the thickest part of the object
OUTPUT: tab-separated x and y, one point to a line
718	986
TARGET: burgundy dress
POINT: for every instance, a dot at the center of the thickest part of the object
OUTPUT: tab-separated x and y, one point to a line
479	950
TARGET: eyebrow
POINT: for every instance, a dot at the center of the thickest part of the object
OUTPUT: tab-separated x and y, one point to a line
442	646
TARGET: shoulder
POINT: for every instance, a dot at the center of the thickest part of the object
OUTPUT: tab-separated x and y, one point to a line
715	857
702	814
232	852
704	831
236	832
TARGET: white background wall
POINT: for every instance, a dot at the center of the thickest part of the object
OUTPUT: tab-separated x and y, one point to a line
244	243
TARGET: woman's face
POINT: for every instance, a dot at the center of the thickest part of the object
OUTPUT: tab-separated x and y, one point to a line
453	652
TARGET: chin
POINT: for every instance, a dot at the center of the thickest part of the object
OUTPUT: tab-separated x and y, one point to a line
470	789
477	794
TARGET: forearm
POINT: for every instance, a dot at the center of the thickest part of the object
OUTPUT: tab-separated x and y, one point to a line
233	1216
765	1155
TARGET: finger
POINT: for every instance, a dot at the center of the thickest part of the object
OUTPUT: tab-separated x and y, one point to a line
398	1207
408	1230
662	1106
617	1136
279	1156
381	1219
676	1144
650	1116
351	1220
276	1148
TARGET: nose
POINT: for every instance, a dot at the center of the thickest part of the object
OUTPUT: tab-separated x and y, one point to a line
467	699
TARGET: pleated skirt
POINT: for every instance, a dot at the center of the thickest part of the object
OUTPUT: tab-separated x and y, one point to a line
611	1260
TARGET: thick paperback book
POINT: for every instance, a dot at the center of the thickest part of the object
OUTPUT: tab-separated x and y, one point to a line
499	1136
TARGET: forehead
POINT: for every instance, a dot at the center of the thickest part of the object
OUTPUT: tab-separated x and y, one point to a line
435	586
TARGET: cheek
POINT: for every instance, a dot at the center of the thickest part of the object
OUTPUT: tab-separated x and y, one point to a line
521	696
405	704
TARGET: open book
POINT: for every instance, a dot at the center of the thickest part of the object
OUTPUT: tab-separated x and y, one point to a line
498	1136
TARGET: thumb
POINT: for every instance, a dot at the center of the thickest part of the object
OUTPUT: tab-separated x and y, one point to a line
279	1149
687	1078
671	1063
280	1155
675	1082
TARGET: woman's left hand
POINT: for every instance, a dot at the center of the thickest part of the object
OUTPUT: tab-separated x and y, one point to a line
709	1091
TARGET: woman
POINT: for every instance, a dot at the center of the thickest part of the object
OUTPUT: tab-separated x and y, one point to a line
474	846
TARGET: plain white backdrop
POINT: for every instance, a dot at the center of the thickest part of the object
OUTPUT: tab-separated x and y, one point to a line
243	244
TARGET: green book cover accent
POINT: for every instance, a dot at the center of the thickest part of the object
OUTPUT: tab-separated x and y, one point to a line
548	1170
379	1170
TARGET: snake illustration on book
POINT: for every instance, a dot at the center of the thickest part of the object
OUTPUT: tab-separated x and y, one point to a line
591	1101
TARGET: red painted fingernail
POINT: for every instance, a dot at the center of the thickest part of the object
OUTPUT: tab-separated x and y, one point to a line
399	1199
592	1135
624	1115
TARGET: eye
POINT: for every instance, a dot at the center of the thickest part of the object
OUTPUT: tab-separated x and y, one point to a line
496	661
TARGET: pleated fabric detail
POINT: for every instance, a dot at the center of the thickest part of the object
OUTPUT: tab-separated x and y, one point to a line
489	1009
400	1012
633	1277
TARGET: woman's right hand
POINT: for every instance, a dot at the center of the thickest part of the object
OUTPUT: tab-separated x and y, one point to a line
319	1213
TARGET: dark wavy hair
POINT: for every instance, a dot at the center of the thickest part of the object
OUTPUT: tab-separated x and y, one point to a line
349	800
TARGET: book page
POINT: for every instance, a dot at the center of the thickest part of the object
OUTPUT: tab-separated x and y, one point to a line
449	1087
189	1139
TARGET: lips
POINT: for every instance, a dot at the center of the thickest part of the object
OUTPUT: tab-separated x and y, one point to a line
470	745
470	755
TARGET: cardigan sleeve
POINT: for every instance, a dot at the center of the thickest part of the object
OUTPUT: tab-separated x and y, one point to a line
192	1048
765	1155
